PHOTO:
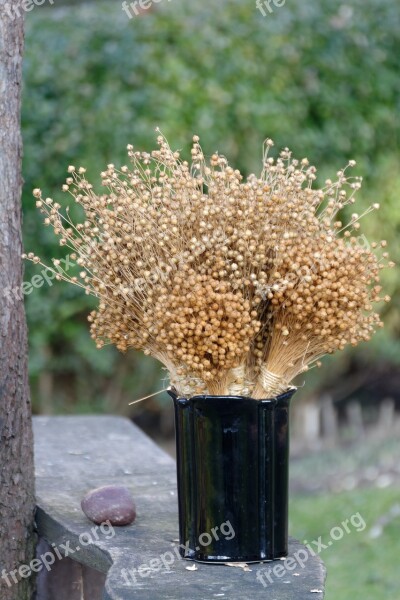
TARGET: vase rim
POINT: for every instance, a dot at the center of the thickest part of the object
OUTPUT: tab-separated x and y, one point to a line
283	396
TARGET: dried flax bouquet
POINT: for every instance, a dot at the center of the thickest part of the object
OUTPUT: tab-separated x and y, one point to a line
235	285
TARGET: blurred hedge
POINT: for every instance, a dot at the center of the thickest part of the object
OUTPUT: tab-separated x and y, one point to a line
321	78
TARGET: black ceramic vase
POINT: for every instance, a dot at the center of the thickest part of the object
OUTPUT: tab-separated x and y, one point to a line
232	467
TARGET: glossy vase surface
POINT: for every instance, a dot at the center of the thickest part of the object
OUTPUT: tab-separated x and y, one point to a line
232	468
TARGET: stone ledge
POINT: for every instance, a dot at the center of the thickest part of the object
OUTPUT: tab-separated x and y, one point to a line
76	454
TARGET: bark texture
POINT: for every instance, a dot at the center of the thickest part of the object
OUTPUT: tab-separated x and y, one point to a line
16	443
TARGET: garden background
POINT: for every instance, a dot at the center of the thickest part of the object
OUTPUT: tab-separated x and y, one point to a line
319	77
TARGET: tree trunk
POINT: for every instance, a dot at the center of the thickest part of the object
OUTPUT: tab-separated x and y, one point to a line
16	443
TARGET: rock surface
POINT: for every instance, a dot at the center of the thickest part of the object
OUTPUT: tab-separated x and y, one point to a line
109	449
113	503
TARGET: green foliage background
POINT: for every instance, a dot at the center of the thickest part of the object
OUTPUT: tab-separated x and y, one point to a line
319	77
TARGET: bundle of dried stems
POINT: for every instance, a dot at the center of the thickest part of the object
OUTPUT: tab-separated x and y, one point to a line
235	285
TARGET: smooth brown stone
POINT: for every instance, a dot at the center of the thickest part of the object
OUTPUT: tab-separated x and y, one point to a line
113	503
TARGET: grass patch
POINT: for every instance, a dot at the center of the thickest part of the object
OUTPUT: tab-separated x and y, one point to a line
358	567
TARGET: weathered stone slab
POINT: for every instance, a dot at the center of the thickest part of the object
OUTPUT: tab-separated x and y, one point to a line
76	454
